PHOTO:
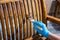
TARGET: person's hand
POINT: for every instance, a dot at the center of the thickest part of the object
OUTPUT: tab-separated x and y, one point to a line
40	28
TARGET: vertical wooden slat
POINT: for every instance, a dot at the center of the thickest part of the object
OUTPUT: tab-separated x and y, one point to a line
30	13
40	10
25	27
44	12
10	17
27	13
18	13
23	17
2	22
6	19
37	10
15	16
34	13
20	20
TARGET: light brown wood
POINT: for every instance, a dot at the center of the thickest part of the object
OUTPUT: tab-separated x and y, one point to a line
34	13
30	13
44	12
2	22
7	1
15	12
37	9
40	10
53	19
23	18
10	13
15	15
27	13
6	18
19	19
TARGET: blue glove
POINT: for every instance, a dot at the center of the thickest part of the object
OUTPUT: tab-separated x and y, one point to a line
44	31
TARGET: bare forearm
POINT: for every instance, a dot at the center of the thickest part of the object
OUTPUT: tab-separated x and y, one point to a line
53	37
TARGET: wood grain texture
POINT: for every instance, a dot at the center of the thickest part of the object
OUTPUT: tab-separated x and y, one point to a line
6	18
14	14
44	12
2	22
40	10
27	22
10	13
7	1
30	14
34	13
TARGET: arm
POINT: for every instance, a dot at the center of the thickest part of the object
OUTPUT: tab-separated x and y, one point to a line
53	37
41	29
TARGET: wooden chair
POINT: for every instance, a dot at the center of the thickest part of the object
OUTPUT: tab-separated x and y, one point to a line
15	25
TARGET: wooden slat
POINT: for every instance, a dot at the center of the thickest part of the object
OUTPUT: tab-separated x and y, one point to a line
22	9
27	13
6	18
37	9
34	12
30	13
19	19
23	18
40	10
44	12
53	19
2	22
7	1
15	16
10	13
18	13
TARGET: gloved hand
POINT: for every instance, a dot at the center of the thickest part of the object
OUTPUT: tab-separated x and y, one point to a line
39	24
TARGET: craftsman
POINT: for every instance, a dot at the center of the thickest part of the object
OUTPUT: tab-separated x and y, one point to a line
44	30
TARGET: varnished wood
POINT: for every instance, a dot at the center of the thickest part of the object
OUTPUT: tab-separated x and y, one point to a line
44	12
14	15
27	13
53	19
2	22
7	1
34	13
37	9
30	13
40	10
6	18
10	13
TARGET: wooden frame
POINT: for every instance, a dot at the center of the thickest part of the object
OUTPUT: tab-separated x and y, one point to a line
13	17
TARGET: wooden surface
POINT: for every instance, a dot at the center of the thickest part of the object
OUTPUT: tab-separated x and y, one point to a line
44	12
15	24
53	19
13	15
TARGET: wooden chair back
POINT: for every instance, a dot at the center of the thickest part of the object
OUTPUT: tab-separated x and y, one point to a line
13	18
